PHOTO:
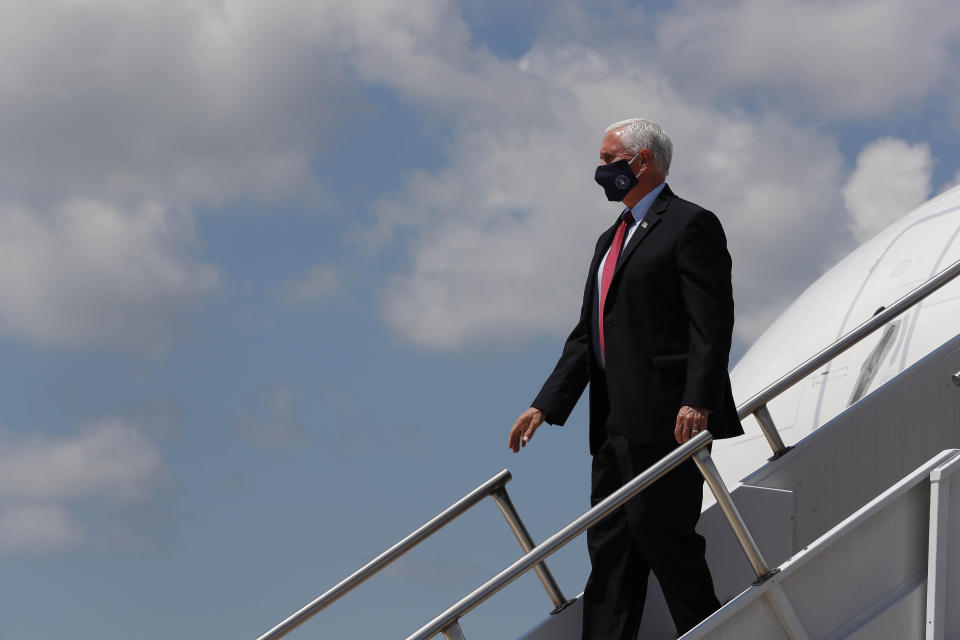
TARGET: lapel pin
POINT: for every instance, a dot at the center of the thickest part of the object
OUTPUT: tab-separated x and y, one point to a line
643	224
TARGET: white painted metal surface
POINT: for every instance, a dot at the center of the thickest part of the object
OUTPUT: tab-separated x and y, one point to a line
871	566
837	469
899	616
878	272
943	560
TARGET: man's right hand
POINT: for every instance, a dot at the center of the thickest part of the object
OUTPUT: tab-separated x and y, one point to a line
523	428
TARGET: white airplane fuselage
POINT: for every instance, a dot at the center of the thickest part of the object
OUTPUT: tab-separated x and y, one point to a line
897	260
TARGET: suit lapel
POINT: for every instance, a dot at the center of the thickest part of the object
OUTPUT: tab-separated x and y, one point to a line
651	220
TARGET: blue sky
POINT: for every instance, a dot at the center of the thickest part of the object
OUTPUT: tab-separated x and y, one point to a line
276	278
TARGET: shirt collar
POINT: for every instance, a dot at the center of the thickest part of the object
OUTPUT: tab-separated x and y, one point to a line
640	209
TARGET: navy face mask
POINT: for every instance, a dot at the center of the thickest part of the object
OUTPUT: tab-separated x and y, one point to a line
616	178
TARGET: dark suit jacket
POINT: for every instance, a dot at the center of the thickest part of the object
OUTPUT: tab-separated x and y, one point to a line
668	323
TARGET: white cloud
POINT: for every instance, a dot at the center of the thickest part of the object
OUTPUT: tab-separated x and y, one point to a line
507	229
188	104
320	282
108	105
423	50
91	274
174	100
38	528
891	178
841	59
109	462
192	104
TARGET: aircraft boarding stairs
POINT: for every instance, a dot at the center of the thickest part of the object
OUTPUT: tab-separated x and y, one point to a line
854	532
861	520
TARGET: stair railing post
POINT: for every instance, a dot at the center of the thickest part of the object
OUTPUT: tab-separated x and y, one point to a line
769	429
709	470
454	632
505	504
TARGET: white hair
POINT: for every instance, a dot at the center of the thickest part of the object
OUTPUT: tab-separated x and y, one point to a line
644	134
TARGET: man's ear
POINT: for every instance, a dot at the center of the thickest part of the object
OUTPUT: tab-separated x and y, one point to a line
646	156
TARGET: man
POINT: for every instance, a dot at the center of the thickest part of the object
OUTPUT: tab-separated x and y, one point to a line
653	341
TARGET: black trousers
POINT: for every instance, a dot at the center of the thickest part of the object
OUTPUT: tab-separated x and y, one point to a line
654	531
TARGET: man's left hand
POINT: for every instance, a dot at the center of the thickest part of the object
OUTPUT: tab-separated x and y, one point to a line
690	422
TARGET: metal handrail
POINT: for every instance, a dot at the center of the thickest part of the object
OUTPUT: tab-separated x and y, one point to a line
447	622
757	405
495	487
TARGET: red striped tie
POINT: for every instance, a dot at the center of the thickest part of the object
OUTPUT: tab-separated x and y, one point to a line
610	266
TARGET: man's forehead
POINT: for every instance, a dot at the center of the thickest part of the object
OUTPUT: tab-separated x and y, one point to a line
611	142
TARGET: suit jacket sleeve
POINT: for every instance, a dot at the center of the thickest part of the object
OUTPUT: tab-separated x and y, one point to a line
565	385
705	283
